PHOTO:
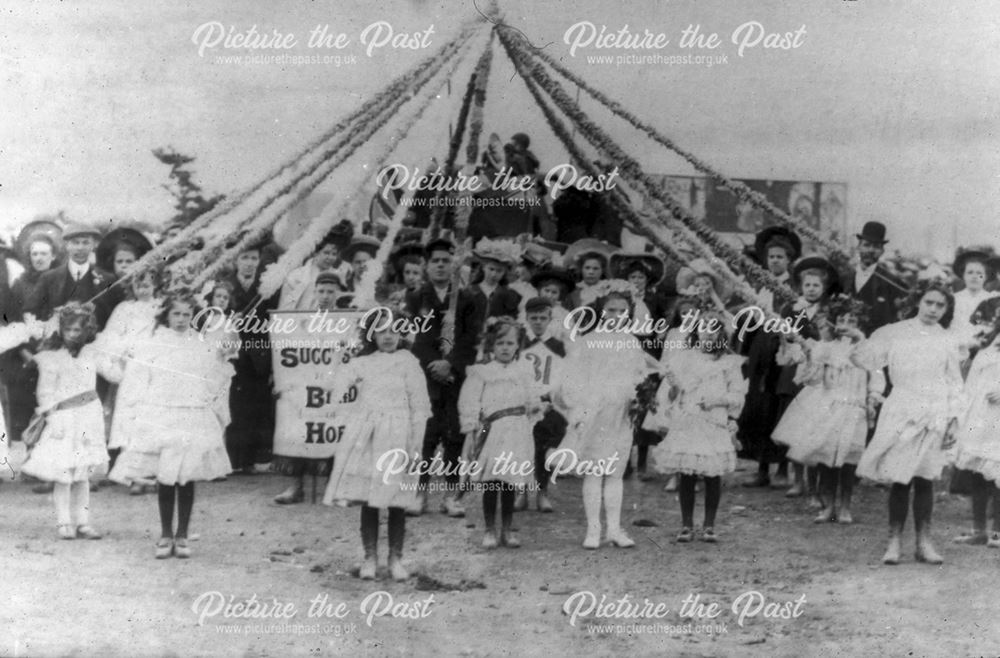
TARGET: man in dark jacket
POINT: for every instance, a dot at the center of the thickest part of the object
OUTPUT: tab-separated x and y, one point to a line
444	368
76	281
872	282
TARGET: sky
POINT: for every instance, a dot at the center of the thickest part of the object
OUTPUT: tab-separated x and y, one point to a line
897	99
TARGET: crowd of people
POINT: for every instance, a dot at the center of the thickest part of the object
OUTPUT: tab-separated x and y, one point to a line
577	359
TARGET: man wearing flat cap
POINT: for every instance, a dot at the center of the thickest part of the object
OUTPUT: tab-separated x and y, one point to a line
873	283
444	368
78	280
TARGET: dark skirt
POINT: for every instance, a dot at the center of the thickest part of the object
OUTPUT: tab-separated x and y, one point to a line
295	466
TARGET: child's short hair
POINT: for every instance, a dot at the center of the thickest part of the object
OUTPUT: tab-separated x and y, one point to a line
181	297
846	305
501	326
70	314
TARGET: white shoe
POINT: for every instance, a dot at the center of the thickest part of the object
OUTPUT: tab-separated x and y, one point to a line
452	508
593	539
620	539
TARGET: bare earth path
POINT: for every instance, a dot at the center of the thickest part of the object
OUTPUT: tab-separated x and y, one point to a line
111	598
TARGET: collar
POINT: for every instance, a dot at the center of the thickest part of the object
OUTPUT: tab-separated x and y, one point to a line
546	335
76	270
867	271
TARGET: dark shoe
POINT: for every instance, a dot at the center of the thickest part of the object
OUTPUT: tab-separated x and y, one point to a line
43	488
758	481
974	538
290	496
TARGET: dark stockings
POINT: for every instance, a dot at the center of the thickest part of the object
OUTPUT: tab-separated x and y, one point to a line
184	495
923	504
832	478
507	493
369	530
713	493
982	492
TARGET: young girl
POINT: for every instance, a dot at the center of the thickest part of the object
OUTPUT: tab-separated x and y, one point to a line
704	403
918	419
598	385
132	320
494	406
71	449
178	434
978	446
826	424
392	415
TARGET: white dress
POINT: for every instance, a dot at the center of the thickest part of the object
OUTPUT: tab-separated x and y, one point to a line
131	321
390	414
71	447
827	421
178	433
978	440
599	379
509	450
700	441
923	364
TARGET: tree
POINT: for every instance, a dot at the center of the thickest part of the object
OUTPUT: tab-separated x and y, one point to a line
189	201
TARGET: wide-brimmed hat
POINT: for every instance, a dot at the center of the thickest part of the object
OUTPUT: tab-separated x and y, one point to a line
76	230
40	228
779	234
819	263
623	262
697	267
873	232
976	255
506	252
560	274
110	243
361	243
588	247
536	255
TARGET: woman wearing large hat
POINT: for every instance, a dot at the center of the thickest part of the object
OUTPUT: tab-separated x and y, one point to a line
975	268
361	250
120	248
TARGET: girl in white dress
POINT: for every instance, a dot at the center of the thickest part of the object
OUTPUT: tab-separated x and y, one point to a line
598	386
918	420
385	436
497	407
978	444
71	449
132	320
973	267
826	424
703	405
178	433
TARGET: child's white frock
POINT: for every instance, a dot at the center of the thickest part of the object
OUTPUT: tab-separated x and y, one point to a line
72	445
130	322
599	379
178	433
389	415
923	365
978	441
700	441
493	387
827	421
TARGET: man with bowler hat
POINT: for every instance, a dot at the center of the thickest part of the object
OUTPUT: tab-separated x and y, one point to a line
873	283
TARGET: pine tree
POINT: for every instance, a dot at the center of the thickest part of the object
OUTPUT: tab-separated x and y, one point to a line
189	201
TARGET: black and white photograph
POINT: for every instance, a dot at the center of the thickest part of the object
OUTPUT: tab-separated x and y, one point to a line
500	328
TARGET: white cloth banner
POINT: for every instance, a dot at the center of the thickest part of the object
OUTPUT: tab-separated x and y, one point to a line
307	348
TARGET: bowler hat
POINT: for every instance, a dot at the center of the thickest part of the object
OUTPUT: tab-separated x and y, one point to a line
873	232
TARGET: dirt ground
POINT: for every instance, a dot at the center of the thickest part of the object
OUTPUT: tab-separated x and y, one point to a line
111	598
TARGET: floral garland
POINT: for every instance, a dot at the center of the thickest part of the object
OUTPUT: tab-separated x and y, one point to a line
464	210
359	136
300	250
739	189
632	171
622	206
443	211
505	251
165	251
